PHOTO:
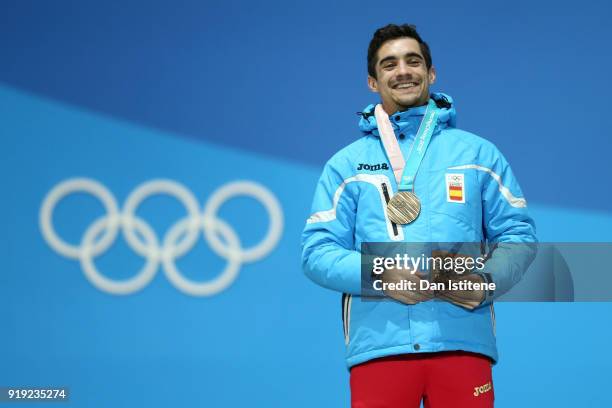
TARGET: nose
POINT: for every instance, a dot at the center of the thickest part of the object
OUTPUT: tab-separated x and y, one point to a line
403	69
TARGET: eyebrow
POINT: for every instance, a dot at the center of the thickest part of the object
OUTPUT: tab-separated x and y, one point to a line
408	55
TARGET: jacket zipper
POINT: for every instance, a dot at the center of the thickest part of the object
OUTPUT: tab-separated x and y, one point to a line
346	316
387	198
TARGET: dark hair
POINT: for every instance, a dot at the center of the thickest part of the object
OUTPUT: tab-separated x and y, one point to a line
391	32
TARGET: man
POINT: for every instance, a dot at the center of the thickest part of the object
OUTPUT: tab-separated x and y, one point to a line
423	345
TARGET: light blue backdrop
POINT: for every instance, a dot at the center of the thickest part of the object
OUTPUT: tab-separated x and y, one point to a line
194	94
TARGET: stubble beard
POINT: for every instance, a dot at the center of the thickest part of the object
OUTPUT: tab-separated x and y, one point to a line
412	102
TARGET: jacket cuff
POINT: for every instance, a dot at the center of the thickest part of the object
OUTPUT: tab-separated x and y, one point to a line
489	294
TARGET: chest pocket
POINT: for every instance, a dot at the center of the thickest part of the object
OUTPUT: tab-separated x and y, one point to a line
375	193
455	204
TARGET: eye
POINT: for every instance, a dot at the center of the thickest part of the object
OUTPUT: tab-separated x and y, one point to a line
414	62
389	65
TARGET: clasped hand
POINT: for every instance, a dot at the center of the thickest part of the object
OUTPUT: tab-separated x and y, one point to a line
422	291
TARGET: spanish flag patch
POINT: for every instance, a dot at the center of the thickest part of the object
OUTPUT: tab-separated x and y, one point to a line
455	188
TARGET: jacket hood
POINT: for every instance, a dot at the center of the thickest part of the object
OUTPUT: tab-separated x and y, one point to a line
446	117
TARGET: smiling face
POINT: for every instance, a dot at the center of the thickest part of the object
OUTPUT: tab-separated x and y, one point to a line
402	78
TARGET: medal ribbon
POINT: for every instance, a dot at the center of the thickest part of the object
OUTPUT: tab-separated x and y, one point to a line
405	169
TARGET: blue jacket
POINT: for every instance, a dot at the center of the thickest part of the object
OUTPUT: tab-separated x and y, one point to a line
349	208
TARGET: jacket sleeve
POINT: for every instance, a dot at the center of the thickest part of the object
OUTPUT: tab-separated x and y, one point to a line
509	230
328	255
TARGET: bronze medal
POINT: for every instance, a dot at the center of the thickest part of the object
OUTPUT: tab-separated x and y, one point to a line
404	207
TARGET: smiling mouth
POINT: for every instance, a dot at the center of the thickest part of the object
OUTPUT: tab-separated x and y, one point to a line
405	85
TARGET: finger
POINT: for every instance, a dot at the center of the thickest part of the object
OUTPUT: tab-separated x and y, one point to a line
414	297
423	295
468	304
401	297
408	300
421	274
447	295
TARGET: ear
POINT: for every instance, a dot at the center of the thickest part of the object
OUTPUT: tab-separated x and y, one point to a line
432	75
372	84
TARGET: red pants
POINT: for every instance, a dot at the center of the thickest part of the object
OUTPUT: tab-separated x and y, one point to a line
442	380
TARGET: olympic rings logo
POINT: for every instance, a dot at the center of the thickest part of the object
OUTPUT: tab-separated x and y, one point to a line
179	239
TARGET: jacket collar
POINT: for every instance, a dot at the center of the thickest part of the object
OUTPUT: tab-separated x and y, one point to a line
410	118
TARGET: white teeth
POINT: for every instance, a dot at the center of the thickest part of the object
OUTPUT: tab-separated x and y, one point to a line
408	85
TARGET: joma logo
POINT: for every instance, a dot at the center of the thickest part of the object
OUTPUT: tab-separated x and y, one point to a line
373	167
482	389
